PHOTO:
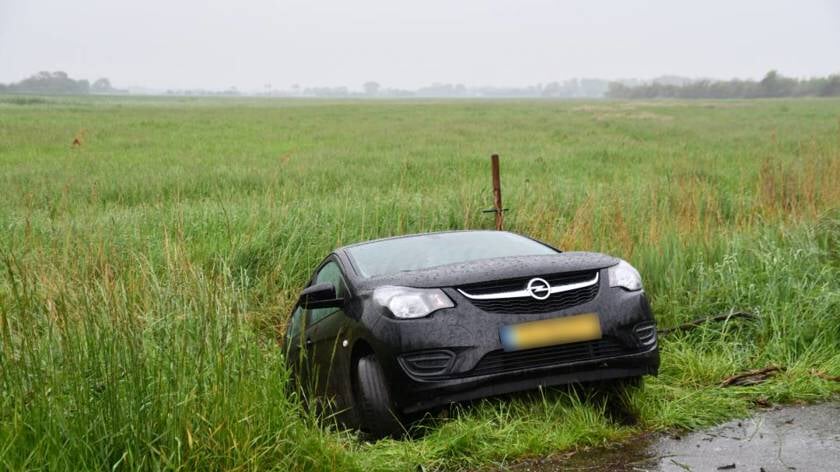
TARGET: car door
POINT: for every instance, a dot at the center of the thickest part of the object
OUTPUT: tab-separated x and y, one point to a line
294	345
323	337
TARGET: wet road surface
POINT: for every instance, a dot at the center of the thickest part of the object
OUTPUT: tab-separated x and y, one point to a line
791	438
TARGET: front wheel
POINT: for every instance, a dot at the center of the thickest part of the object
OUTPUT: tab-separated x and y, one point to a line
373	400
630	383
620	406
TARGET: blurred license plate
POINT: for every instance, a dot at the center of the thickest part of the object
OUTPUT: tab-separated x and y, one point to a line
569	329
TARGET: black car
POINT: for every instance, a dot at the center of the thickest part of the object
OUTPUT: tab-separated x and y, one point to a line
397	326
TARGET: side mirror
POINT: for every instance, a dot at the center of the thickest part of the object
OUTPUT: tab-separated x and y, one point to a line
320	296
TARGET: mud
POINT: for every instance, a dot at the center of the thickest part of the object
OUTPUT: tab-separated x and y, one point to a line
792	438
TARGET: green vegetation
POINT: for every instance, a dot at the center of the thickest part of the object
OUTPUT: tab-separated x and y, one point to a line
148	271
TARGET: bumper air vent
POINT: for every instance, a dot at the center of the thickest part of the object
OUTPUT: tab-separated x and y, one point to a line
427	363
645	334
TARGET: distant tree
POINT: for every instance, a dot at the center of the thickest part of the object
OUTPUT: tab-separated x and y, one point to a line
770	84
102	85
774	85
44	82
371	88
831	87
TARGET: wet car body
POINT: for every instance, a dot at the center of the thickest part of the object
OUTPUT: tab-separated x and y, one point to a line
457	352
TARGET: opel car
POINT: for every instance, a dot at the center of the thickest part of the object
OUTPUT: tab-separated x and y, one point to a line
390	328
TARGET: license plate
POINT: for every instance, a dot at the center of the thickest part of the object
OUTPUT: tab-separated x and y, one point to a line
569	329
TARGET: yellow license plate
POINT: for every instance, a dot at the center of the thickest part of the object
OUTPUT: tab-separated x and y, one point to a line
569	329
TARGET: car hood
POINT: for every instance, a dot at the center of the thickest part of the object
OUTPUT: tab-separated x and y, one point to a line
487	270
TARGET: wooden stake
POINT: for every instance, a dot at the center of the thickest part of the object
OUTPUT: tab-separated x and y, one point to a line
497	192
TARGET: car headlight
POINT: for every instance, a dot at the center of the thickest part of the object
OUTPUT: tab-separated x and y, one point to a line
626	276
407	302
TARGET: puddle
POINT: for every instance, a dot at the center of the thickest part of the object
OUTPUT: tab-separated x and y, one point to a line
801	438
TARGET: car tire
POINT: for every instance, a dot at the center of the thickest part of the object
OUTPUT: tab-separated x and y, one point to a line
630	382
373	399
620	407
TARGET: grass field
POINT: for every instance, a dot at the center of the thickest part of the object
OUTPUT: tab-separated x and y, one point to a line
147	273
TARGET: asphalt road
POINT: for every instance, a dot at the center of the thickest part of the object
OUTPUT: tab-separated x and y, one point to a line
791	438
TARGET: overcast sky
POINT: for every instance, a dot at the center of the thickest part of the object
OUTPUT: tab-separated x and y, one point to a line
249	43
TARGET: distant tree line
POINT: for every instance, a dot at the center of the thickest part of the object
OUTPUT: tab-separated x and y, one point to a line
229	92
573	88
58	83
772	85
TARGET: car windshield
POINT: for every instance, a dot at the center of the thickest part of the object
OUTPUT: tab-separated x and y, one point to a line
431	250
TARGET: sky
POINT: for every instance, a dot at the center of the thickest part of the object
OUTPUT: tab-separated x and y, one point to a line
248	44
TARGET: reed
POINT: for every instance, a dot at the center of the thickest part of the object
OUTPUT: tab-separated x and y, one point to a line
147	274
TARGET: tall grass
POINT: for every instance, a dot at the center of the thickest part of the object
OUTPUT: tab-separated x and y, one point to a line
148	274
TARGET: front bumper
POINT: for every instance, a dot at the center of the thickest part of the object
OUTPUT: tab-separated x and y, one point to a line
456	354
420	396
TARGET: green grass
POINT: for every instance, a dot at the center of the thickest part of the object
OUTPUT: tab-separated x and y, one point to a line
147	274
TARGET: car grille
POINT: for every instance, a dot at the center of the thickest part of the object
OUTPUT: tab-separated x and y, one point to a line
523	305
502	361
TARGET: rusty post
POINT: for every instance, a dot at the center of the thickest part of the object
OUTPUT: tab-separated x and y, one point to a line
497	192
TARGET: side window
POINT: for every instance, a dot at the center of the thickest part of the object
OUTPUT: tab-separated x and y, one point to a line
329	273
295	324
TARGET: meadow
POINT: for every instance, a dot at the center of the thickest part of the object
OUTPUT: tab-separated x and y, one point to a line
146	274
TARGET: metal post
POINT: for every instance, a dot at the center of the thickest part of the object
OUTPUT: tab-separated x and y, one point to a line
497	192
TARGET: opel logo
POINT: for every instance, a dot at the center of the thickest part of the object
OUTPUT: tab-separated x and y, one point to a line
538	288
